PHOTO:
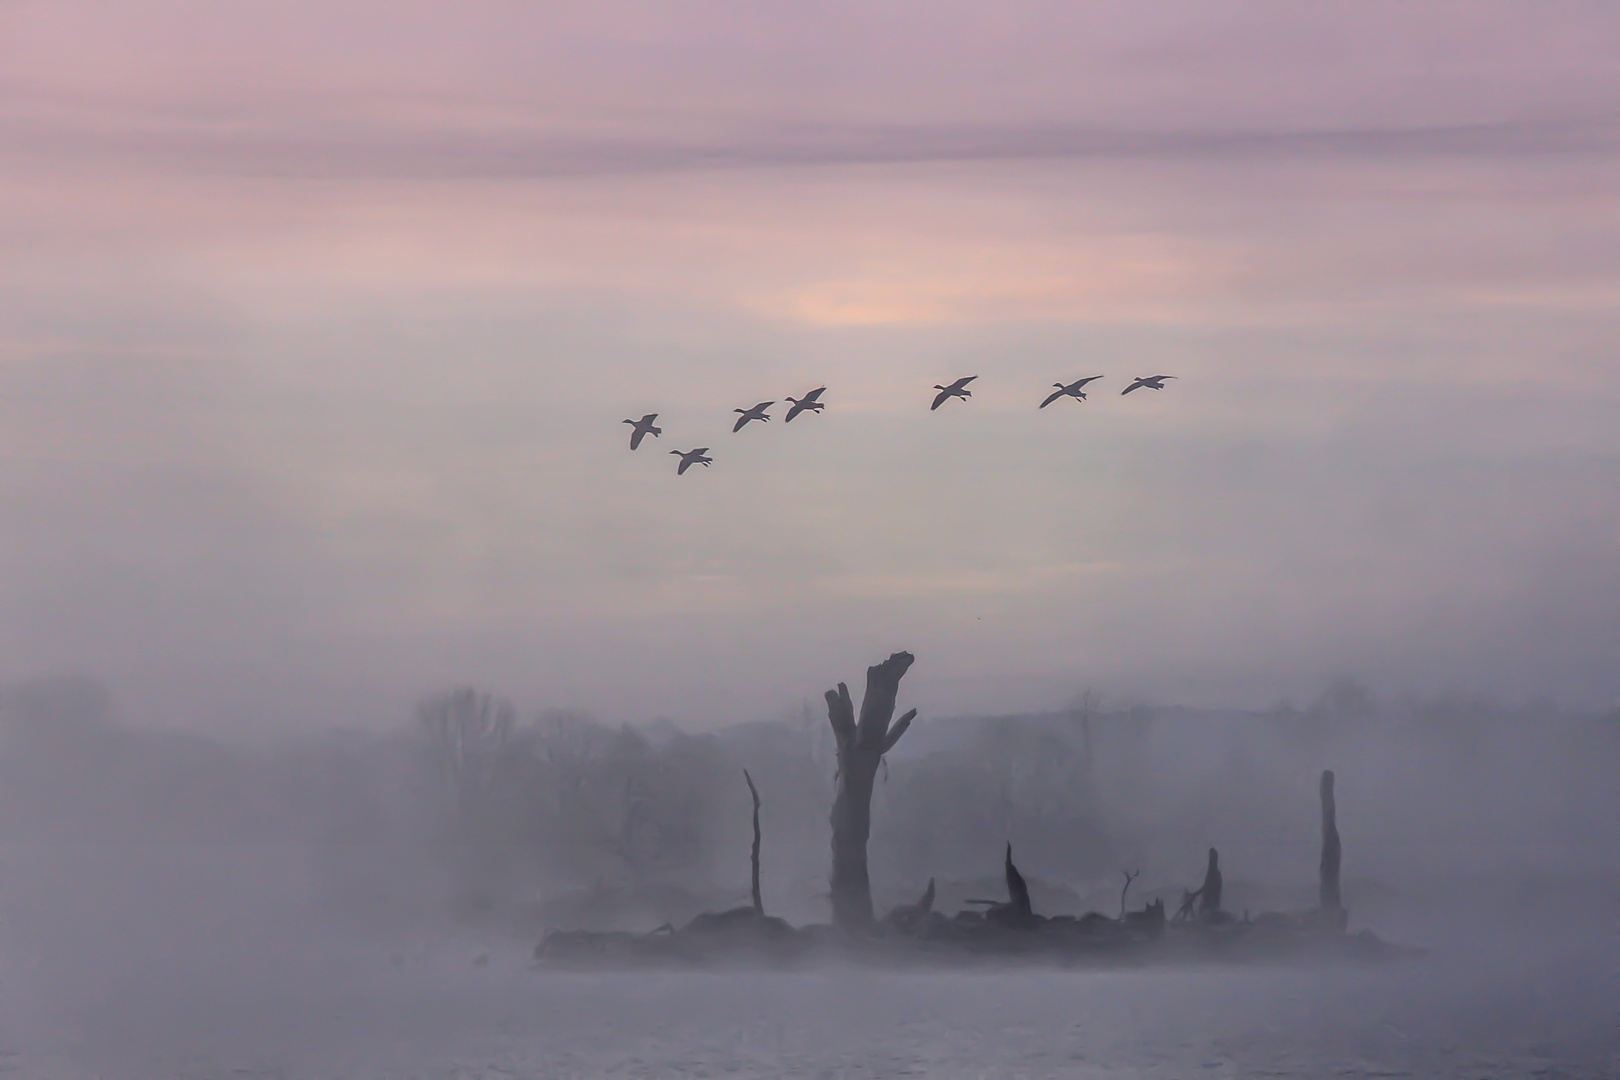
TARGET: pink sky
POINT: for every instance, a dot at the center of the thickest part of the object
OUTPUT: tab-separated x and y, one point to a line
318	322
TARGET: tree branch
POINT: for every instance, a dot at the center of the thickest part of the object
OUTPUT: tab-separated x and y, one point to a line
1129	877
898	730
841	714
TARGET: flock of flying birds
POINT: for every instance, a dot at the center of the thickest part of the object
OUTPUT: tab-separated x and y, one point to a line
812	402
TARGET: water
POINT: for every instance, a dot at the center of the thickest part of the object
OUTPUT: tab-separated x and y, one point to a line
134	964
351	1011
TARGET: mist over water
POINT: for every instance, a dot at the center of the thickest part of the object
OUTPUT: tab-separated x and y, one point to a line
176	906
347	649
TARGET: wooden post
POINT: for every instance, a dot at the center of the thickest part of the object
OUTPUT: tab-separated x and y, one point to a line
861	746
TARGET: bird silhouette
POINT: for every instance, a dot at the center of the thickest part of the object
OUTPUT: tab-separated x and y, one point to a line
690	458
956	389
811	402
643	427
1070	390
1152	382
756	413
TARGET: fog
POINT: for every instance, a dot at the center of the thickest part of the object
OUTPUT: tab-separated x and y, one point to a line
327	904
346	649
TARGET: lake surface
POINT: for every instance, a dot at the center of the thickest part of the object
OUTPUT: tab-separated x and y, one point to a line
437	1012
125	966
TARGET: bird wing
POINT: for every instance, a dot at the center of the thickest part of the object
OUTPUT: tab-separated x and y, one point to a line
741	420
761	407
962	382
649	418
680	470
798	407
1087	379
1053	396
635	437
1138	384
815	394
700	451
939	399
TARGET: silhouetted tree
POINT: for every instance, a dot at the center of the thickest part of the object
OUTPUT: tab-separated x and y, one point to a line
753	857
1330	903
468	732
1019	912
861	746
469	739
1130	876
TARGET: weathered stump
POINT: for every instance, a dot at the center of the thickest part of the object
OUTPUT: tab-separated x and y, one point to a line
861	746
909	917
1329	903
1329	887
1018	913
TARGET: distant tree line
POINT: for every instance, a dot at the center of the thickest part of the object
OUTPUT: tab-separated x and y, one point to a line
472	806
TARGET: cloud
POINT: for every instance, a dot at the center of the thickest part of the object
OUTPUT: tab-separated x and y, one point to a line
377	153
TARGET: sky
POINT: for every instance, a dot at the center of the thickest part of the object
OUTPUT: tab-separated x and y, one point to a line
318	323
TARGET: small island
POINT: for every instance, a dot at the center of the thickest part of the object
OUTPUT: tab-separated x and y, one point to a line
989	930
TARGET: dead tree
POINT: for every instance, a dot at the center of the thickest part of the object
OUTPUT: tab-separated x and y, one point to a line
1329	900
861	746
759	904
1129	877
926	904
468	734
470	738
1017	912
913	916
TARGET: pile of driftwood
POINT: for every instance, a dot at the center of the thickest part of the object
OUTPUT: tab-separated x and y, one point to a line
1199	929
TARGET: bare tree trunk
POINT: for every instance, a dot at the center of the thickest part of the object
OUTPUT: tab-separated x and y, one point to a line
759	903
1329	888
861	746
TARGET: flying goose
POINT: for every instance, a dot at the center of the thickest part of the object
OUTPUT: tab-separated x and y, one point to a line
956	389
756	413
1070	390
811	401
1152	382
643	427
690	458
